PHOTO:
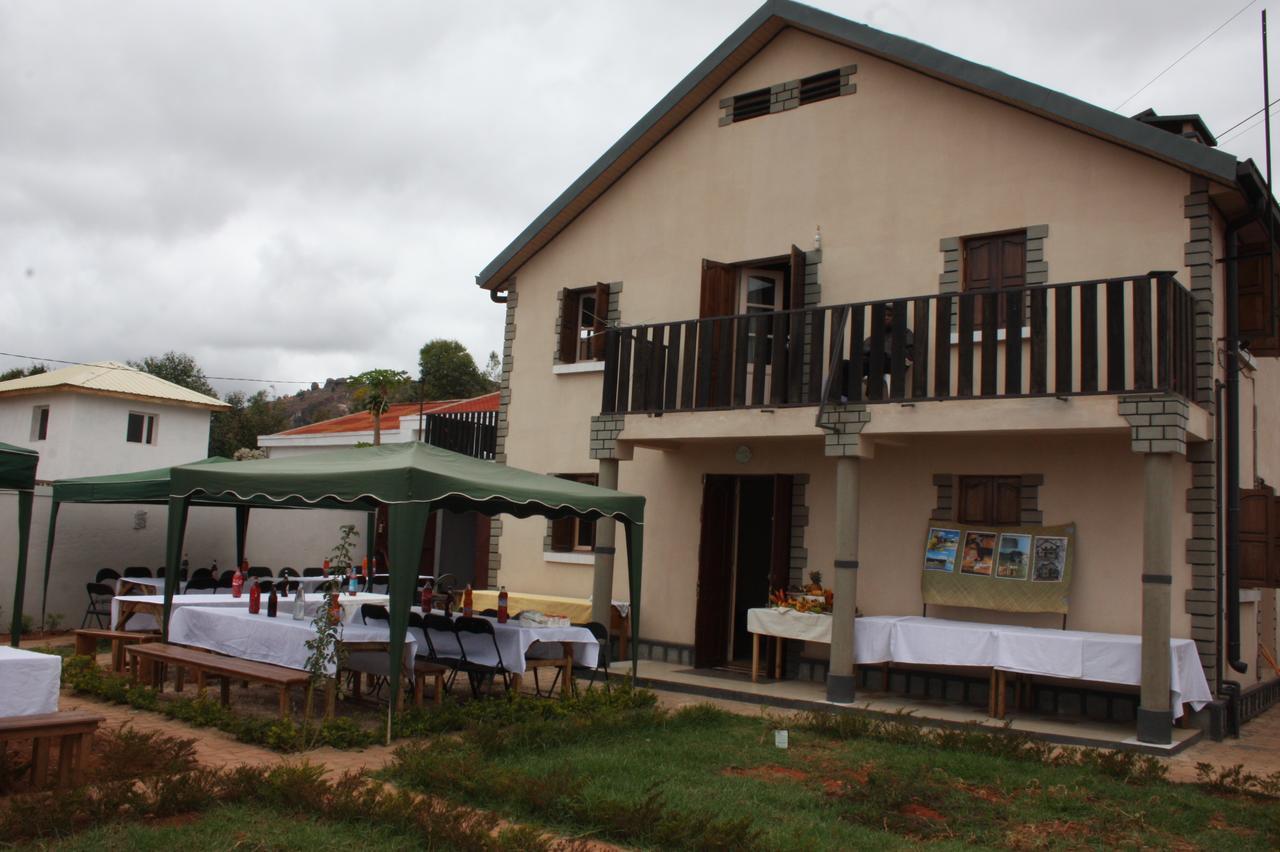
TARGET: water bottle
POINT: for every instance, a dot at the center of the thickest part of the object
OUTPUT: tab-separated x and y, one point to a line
299	604
353	584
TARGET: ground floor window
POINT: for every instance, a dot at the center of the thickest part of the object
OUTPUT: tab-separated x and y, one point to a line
141	428
574	534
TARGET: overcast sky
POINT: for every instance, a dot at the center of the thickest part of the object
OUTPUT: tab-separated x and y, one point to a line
300	190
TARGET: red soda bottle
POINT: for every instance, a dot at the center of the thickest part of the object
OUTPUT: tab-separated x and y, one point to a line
502	605
273	603
237	583
325	569
335	609
466	601
255	599
425	602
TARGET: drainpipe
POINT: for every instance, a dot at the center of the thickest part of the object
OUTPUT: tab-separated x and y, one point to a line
1233	451
1219	538
500	298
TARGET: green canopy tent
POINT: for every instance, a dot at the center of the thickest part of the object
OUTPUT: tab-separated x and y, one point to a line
143	487
18	471
412	480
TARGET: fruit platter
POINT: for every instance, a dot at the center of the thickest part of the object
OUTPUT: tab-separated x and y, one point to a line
812	598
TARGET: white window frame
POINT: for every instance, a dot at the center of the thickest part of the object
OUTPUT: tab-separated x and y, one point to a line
36	412
150	422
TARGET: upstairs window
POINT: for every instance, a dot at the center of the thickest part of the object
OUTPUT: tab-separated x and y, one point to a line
40	423
751	105
819	87
990	500
574	534
583	316
141	428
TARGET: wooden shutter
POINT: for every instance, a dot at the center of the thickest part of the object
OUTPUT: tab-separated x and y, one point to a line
569	327
1012	250
481	552
715	572
719	296
1273	564
796	294
598	323
1256	543
562	535
1007	508
972	505
981	265
1256	305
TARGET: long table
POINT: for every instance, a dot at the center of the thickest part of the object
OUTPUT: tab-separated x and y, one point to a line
280	640
1112	658
29	682
577	610
144	612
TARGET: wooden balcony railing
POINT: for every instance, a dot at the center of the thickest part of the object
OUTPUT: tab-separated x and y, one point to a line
1118	335
472	433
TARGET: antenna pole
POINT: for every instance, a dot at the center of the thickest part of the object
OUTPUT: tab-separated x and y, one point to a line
1266	123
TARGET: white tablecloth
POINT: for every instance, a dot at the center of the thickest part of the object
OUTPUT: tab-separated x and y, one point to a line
156	583
28	682
280	640
142	621
1097	657
515	640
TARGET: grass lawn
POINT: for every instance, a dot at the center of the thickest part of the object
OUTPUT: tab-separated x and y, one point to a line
238	827
702	779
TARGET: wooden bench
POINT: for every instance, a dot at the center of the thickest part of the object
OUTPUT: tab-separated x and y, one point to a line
149	662
87	643
74	731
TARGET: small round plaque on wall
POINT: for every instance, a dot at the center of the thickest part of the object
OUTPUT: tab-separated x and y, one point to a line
743	454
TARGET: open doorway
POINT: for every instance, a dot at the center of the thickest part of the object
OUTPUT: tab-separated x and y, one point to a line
744	552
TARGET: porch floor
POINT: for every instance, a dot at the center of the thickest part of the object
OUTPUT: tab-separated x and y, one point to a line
725	686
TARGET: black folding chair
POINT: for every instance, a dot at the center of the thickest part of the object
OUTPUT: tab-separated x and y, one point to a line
377	612
225	579
379	584
601	667
260	571
443	646
285	586
202	583
287	572
137	571
425	661
106	575
313	572
481	656
100	595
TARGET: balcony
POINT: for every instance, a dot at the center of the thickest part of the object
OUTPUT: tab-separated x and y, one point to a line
1110	336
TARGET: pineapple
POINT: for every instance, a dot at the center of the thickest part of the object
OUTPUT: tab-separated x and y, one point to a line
815	583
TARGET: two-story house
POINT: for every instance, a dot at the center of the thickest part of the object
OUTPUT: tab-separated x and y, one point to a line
838	290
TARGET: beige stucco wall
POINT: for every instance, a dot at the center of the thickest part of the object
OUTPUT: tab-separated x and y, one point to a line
885	173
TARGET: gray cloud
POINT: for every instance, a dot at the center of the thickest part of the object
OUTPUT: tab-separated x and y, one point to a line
297	190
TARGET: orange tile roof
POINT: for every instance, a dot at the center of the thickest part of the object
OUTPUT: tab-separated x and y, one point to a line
362	421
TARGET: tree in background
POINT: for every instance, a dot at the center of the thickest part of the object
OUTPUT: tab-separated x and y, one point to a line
493	369
179	368
248	418
375	390
449	371
23	372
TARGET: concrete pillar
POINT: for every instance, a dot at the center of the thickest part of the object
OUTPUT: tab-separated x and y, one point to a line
1155	717
840	679
606	528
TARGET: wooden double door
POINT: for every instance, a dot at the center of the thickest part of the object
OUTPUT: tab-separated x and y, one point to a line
744	551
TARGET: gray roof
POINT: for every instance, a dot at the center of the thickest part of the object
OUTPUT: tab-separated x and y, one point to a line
757	30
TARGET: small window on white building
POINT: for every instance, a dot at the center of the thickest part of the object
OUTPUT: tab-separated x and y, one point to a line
142	428
40	423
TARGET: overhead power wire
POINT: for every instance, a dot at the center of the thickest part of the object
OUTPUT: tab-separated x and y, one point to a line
1224	134
135	370
1185	55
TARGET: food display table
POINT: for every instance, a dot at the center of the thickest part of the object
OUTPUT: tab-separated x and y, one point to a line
1110	658
28	682
577	610
280	640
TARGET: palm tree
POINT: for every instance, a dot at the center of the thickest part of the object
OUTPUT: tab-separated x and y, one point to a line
374	390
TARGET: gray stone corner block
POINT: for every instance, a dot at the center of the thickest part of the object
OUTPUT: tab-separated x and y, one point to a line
949	244
1037	232
849	69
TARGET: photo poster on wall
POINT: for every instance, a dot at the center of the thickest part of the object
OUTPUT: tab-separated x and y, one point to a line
1010	569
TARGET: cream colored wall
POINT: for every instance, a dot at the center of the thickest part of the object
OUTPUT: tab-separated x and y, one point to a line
1094	481
886	173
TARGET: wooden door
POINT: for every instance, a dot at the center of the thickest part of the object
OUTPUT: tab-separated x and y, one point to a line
715	569
993	264
780	544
